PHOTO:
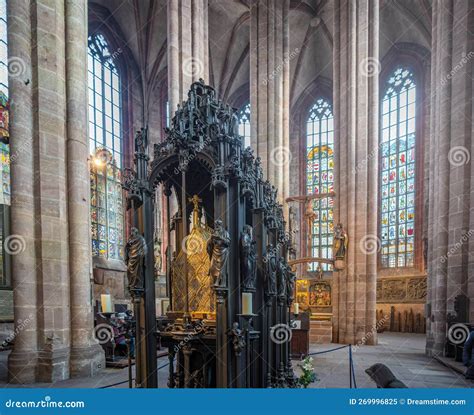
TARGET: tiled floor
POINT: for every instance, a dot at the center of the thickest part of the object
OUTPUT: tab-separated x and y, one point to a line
402	353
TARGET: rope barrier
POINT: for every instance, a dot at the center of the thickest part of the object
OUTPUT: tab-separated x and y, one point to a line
330	350
352	379
126	381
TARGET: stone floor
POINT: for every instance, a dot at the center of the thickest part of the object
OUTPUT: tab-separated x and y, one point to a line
402	353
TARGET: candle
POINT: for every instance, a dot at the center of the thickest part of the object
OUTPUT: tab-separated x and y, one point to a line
296	309
247	304
106	303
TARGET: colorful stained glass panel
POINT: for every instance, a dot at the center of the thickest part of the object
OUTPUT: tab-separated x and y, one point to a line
320	177
397	222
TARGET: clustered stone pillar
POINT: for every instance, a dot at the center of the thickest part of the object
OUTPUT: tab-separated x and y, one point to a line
23	360
451	206
188	55
50	195
188	47
87	356
269	89
356	67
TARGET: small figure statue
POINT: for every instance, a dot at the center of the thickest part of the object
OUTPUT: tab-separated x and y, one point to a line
293	223
248	259
290	285
340	242
141	141
270	271
238	340
158	257
218	251
135	253
339	248
282	280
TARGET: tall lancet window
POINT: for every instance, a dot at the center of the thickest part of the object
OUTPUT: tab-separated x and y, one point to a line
4	149
244	124
398	155
320	179
105	139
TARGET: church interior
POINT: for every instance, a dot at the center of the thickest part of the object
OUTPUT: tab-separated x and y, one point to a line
205	193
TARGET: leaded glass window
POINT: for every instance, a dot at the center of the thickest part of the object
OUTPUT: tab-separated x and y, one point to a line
320	178
398	162
106	206
105	139
244	124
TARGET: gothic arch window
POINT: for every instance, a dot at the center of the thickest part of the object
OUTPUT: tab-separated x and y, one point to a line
398	170
244	124
320	179
105	140
4	149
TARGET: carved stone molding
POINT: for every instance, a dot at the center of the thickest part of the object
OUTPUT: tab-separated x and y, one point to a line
401	290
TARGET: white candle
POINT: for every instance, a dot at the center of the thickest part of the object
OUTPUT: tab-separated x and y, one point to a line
106	303
247	304
296	308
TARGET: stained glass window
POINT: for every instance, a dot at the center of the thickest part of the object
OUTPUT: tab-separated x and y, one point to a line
398	138
106	206
244	124
320	178
105	139
4	147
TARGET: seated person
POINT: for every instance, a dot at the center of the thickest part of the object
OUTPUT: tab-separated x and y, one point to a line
468	357
120	331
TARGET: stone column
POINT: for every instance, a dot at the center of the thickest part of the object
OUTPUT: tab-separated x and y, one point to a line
22	361
188	54
188	47
269	89
87	356
451	190
356	101
50	193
